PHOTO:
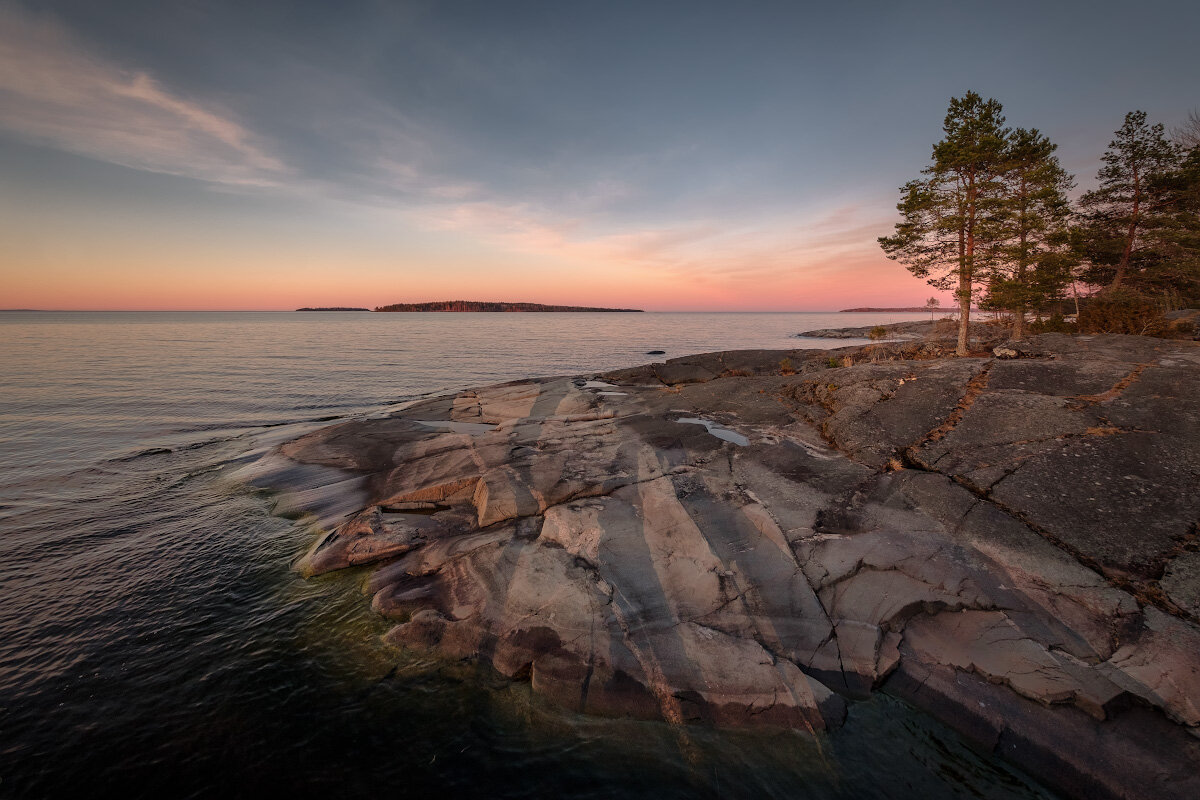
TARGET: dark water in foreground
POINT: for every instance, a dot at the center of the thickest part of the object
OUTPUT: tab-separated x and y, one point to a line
154	641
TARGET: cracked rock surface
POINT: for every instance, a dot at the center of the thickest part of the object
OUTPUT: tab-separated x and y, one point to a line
1009	544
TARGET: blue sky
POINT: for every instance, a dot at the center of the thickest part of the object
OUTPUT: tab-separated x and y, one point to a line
662	155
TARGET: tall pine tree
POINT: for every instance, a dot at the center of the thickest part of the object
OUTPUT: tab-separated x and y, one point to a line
951	220
1032	264
1126	205
1175	237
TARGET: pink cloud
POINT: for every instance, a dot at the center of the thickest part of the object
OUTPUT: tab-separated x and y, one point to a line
777	263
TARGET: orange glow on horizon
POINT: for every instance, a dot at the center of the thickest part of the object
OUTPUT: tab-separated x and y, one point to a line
160	259
130	288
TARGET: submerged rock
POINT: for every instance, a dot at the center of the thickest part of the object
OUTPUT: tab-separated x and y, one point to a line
1009	544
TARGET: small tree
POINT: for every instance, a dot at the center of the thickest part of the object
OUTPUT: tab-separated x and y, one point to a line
932	305
950	220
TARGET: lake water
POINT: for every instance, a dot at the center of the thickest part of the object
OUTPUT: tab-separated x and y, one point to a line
154	640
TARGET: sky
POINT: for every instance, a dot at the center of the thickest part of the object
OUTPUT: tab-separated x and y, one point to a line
212	154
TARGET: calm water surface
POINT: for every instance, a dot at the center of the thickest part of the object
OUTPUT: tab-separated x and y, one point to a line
155	642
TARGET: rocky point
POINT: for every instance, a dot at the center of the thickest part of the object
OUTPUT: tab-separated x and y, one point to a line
761	537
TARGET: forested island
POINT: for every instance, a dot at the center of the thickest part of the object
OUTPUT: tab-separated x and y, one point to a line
474	305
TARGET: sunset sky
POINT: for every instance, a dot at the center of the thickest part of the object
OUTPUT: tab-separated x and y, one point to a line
667	156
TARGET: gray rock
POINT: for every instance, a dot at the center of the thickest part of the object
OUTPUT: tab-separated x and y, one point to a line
1017	349
1007	543
1181	581
943	329
1184	322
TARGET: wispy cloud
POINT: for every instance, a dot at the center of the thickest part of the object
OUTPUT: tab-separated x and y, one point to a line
360	148
54	90
715	253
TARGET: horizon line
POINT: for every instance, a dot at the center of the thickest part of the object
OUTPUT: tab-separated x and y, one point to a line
371	311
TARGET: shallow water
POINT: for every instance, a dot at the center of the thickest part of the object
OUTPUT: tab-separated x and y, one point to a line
154	640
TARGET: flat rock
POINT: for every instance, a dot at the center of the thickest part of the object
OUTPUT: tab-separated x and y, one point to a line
1181	581
945	329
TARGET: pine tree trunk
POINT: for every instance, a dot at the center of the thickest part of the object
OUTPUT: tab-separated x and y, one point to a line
966	265
1123	267
1018	331
964	313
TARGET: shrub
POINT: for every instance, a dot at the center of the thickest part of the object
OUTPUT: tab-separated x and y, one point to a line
832	363
946	326
786	368
1121	311
1055	324
878	332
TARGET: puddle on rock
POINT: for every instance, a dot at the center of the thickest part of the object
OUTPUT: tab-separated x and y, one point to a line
717	430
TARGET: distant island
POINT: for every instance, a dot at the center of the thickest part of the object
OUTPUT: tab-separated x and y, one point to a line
894	310
333	308
472	305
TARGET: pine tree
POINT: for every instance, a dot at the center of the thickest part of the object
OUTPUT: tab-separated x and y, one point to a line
1175	237
951	219
1116	215
1032	266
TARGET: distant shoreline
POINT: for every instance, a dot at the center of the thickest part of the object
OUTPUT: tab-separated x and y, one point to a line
368	310
473	305
912	309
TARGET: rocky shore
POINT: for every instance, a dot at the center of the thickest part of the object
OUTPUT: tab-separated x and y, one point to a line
908	331
761	537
